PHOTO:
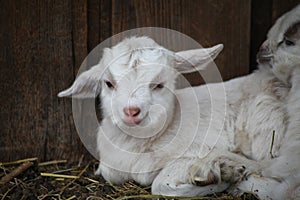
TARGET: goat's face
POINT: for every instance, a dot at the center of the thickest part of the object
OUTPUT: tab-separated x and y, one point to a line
282	48
138	89
137	79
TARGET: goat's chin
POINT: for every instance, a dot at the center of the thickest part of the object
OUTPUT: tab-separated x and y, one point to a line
283	73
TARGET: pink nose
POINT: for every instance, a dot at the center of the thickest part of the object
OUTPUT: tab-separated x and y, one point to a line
131	111
264	47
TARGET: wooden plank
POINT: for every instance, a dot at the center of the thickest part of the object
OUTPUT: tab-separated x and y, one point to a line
261	20
99	22
45	42
204	21
22	124
70	146
93	20
280	7
210	25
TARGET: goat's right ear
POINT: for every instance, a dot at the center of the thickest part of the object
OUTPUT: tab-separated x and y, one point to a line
86	85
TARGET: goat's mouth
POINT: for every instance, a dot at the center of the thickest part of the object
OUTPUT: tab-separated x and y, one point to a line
131	121
264	57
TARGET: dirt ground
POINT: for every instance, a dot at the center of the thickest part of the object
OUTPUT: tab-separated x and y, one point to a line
29	179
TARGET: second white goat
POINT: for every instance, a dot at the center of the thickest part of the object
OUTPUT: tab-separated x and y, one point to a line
281	54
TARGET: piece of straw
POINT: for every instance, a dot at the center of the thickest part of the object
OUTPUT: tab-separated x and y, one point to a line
15	172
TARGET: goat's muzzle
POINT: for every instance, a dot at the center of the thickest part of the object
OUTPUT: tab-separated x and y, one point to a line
264	55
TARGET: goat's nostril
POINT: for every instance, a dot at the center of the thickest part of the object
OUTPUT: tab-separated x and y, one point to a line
264	46
132	111
265	54
264	49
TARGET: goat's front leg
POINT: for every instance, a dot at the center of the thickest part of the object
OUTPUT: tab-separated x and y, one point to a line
221	166
173	180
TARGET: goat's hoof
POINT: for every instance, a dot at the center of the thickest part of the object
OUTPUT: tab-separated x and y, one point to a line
210	179
232	171
202	174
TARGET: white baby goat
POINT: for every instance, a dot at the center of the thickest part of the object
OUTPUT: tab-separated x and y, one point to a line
181	145
281	52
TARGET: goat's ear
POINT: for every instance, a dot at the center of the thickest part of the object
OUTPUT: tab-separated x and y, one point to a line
196	59
293	32
87	85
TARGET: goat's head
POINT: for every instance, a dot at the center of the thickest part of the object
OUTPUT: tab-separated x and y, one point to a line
137	82
281	50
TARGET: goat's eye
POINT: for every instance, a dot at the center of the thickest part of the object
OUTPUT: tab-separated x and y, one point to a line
289	42
156	86
109	85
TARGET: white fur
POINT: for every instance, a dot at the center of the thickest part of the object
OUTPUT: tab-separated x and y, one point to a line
184	137
281	175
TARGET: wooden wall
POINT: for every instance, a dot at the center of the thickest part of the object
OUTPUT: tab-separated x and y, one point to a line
43	43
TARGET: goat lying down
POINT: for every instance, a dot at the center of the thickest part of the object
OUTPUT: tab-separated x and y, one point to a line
281	52
182	141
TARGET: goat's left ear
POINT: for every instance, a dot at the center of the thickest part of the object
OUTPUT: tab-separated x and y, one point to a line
86	85
196	59
293	32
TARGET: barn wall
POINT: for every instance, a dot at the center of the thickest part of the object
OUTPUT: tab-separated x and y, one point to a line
43	43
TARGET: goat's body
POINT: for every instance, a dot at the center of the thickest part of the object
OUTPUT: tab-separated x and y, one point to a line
281	176
244	124
240	136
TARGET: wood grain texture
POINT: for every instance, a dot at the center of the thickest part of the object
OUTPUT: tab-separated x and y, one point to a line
44	43
280	7
204	21
261	19
226	22
99	22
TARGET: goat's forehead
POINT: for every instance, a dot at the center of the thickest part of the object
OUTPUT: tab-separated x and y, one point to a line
144	64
